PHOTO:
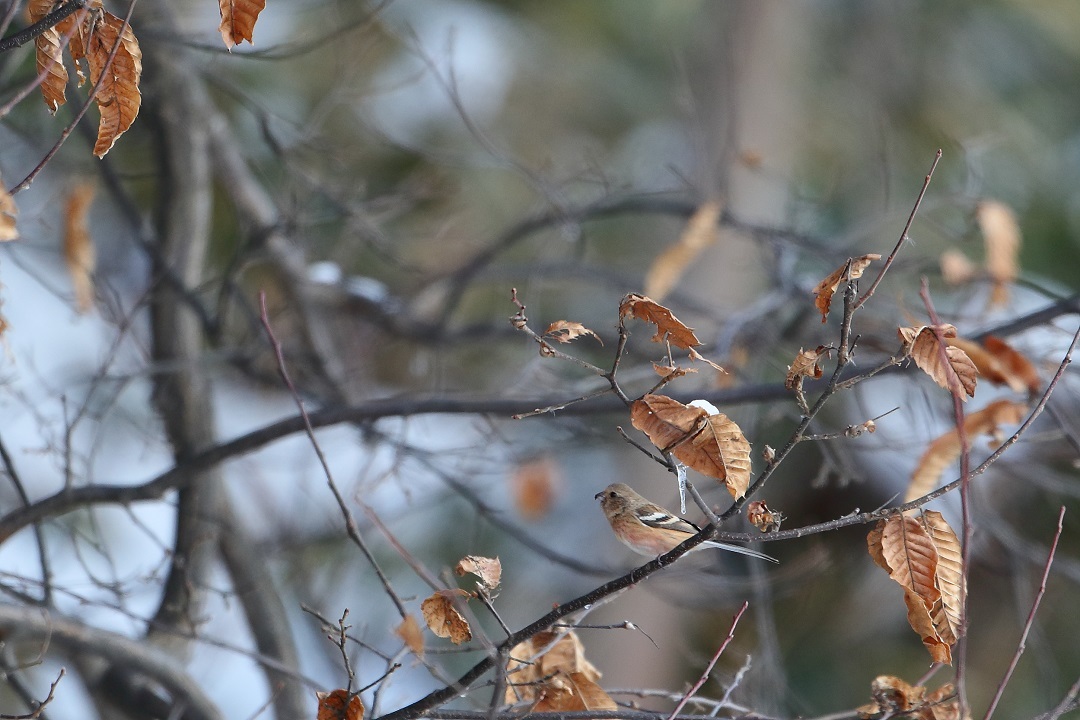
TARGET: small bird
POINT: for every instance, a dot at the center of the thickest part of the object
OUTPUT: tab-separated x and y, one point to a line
650	530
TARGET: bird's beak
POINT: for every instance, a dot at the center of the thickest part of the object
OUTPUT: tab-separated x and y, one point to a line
598	495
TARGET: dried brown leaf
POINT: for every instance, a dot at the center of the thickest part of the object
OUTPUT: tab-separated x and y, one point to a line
9	213
918	617
957	268
873	546
565	331
568	692
1020	371
339	705
763	518
238	20
922	345
443	619
827	287
948	618
50	59
535	484
671	371
669	266
911	557
695	355
489	570
711	444
118	100
79	254
805	364
542	655
1001	237
667	422
944	450
668	327
410	634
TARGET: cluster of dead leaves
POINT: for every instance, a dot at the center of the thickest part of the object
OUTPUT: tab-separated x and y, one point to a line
712	444
441	610
923	556
894	697
108	47
550	671
1001	240
92	34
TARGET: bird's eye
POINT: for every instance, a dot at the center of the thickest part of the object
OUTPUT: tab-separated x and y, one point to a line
611	494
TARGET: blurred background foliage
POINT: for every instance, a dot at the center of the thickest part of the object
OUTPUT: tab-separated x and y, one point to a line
403	142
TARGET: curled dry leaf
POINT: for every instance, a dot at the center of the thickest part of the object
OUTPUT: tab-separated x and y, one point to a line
711	444
894	697
921	343
1000	363
671	371
911	557
565	331
764	519
410	634
957	268
944	450
339	705
489	570
118	100
826	288
923	556
949	576
50	60
1001	237
568	692
79	254
668	327
695	355
238	20
443	618
9	212
543	655
669	266
535	484
805	364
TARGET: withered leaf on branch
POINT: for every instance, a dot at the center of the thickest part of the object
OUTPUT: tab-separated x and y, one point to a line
944	450
713	445
949	576
238	20
667	325
1001	237
543	655
410	634
489	570
79	254
669	266
565	331
893	696
9	212
763	518
50	59
805	364
1000	363
443	618
827	287
923	556
339	705
118	100
958	373
568	692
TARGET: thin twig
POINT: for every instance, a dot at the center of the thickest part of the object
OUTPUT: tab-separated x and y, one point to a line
1030	618
350	522
712	663
49	21
40	709
903	235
